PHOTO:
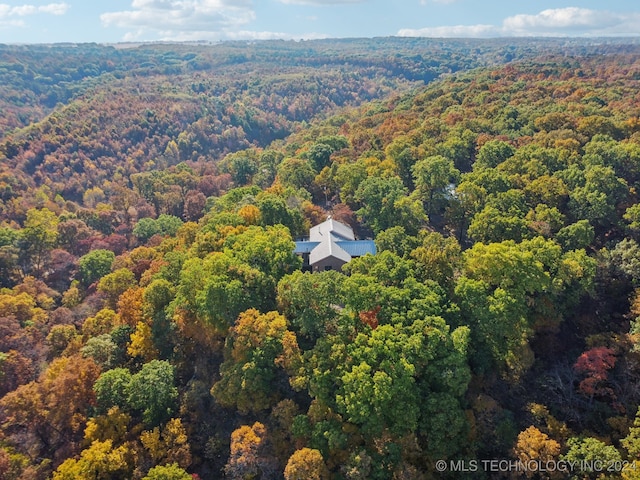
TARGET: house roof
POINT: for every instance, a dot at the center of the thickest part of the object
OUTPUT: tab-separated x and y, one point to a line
331	228
333	239
328	248
358	248
305	246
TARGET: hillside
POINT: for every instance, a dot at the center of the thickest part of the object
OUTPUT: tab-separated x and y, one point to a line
154	319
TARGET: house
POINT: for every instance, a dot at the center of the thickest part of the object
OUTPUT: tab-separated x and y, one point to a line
331	244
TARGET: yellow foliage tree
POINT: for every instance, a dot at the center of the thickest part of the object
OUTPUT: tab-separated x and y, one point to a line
247	459
98	462
130	306
535	446
306	464
169	445
102	322
142	343
112	426
250	214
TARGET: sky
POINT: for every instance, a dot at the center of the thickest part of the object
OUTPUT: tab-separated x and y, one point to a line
113	21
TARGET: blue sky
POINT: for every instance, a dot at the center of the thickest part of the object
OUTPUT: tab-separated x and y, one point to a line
34	21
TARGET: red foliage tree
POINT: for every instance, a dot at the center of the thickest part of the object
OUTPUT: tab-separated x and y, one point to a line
595	365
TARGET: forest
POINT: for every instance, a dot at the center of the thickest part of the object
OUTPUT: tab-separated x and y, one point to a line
156	323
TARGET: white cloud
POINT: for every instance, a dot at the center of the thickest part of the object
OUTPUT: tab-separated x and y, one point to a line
573	21
7	11
180	19
570	21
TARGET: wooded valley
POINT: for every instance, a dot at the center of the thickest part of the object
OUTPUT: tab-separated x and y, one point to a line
156	323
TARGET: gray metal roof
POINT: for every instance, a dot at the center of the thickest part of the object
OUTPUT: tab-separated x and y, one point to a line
333	239
305	246
326	249
333	228
358	248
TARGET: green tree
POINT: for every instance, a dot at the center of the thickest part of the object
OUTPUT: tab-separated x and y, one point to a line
493	225
431	176
167	472
103	350
492	154
38	236
95	265
591	451
384	204
241	165
319	154
396	240
115	284
274	211
437	258
596	201
296	172
152	392
111	389
577	235
379	380
308	301
257	345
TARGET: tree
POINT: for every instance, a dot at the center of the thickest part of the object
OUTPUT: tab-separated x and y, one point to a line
111	389
248	459
152	392
167	472
319	154
274	211
38	237
306	464
52	411
214	291
577	235
632	215
396	240
431	176
102	349
60	337
242	166
308	301
437	258
535	446
270	250
165	225
115	284
169	445
384	204
95	265
594	365
15	370
114	426
596	200
492	225
98	462
631	442
592	453
257	345
296	172
492	154
379	381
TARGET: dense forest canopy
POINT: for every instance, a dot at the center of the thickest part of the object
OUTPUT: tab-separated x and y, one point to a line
155	321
